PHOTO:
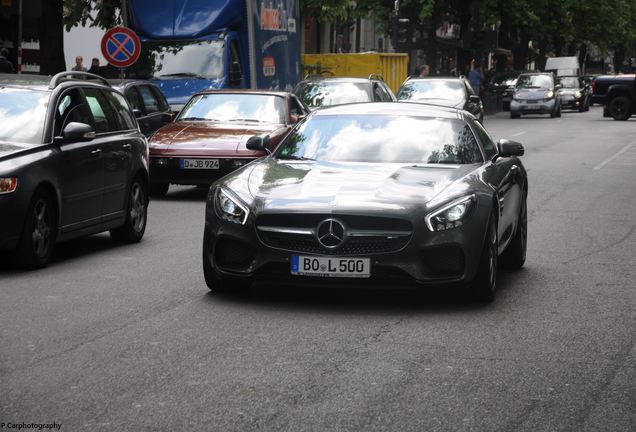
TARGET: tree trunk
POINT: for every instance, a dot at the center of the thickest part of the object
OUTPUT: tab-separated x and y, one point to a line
52	38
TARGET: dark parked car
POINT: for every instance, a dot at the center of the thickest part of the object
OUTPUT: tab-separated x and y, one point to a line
535	93
207	139
149	105
72	162
575	93
617	94
363	194
318	91
449	92
502	84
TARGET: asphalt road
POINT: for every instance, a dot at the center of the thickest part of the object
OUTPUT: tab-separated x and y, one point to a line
127	338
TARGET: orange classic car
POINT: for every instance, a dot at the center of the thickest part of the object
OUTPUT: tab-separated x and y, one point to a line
207	139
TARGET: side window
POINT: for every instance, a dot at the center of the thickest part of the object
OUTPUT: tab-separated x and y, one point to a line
105	120
71	108
377	93
134	99
122	110
490	149
150	101
163	103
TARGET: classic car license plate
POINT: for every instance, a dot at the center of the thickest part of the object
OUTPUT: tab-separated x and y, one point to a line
199	163
330	266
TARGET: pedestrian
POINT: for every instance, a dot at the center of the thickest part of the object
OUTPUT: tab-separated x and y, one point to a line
5	65
424	70
476	78
94	66
79	67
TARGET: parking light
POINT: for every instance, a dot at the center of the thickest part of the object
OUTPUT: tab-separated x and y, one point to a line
8	184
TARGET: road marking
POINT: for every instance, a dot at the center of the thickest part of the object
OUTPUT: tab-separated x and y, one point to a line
611	158
519	133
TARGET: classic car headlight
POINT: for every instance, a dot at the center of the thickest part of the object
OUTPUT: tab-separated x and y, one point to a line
577	94
229	207
8	184
451	215
549	94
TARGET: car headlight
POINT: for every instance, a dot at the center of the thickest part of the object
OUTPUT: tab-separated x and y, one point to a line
451	215
515	96
577	94
8	184
549	94
229	207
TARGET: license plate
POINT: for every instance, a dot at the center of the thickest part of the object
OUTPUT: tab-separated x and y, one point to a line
532	107
330	266
199	163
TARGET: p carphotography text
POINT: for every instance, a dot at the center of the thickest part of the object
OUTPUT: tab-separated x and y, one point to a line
30	426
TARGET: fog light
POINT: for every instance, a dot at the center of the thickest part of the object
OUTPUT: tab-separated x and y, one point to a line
8	184
237	163
162	162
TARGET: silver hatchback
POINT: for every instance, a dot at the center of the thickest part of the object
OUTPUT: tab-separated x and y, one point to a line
535	93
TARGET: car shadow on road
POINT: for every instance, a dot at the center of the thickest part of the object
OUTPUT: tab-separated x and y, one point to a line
67	251
386	300
184	193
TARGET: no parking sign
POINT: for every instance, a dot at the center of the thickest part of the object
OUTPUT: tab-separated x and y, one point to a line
121	47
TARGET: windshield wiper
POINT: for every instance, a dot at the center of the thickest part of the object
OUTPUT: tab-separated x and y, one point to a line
292	157
182	74
247	120
197	119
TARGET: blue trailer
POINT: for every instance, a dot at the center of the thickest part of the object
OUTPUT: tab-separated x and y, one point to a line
191	45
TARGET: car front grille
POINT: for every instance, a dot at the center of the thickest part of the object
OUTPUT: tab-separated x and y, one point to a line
364	235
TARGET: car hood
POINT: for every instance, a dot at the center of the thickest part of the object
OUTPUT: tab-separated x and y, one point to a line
273	184
203	138
440	102
531	94
8	149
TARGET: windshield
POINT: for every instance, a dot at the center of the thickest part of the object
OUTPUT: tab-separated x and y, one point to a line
243	107
334	93
378	138
534	81
180	59
22	115
569	82
431	90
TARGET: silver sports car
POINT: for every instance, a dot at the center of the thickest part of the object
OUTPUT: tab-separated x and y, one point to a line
371	194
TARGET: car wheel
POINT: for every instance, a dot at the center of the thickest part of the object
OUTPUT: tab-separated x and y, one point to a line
136	215
38	234
514	257
514	115
620	108
159	190
559	111
483	286
589	103
213	280
583	106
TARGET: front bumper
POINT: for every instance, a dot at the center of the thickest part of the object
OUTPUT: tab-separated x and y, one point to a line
447	258
532	107
571	102
169	170
13	208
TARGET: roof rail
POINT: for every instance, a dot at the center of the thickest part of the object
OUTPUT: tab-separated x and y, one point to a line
63	76
376	76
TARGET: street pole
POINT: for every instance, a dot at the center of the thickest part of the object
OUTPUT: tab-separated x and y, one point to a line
19	68
124	13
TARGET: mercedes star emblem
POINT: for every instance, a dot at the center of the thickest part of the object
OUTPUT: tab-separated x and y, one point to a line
331	233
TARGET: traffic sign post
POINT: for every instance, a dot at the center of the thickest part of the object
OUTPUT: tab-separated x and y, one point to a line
121	47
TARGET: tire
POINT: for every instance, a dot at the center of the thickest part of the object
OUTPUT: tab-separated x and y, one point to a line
485	282
559	112
159	190
136	215
213	280
514	257
514	115
584	107
38	233
620	108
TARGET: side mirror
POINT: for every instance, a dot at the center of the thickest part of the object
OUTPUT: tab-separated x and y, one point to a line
558	87
509	148
257	142
296	118
167	117
137	112
474	99
76	132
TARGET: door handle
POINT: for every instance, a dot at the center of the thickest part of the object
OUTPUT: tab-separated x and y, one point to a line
126	146
96	152
514	168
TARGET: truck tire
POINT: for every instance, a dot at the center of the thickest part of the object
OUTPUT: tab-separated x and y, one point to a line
620	108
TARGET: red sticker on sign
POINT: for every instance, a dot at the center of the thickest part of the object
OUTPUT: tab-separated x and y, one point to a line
269	66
